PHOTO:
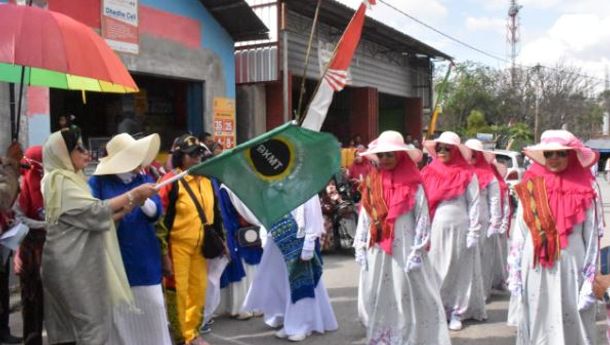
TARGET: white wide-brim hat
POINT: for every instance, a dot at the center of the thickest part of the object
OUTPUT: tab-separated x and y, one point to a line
126	153
477	145
449	138
560	140
391	141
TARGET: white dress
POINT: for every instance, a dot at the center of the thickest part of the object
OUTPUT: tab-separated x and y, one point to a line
458	267
145	325
232	297
500	271
270	290
490	217
550	297
401	307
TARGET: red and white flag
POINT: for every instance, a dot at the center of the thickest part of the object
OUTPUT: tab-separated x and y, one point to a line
335	77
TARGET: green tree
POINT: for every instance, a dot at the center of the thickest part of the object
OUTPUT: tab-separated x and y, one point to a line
475	123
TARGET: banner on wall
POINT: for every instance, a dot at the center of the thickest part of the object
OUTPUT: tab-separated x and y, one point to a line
224	122
120	25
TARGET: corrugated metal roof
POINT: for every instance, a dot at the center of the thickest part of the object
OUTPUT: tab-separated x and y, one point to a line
338	15
238	19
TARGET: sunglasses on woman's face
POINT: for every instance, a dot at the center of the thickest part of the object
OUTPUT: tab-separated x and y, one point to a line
385	154
559	154
443	148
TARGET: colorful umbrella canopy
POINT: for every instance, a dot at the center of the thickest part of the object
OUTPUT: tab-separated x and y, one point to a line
53	50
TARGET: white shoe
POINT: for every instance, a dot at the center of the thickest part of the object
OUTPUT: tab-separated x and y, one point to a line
297	337
281	334
244	315
275	322
455	324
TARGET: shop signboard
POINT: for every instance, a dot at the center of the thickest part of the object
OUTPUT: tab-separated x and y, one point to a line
120	25
224	122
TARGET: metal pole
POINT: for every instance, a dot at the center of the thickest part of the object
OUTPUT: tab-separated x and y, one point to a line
285	91
304	77
536	117
18	115
11	97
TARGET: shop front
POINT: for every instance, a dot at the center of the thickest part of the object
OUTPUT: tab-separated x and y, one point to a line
180	54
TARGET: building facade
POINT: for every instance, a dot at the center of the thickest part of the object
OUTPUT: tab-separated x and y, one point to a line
391	73
184	65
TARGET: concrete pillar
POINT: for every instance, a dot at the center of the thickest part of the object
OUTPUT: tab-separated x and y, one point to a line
364	114
275	103
414	114
251	111
38	115
5	119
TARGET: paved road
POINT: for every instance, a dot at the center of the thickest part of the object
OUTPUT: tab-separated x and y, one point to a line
341	279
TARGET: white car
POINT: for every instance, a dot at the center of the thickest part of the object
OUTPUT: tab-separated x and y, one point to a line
513	161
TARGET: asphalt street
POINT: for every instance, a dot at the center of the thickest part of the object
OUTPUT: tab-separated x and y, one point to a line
341	279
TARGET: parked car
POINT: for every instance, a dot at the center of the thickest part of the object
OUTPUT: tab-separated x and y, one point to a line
513	161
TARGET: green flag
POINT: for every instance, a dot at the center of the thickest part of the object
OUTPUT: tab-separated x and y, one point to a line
277	171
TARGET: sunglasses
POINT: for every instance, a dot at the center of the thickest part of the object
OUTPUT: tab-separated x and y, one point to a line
385	154
559	154
195	154
443	148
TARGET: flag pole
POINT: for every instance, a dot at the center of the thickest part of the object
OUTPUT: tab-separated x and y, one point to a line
301	118
439	99
171	180
304	77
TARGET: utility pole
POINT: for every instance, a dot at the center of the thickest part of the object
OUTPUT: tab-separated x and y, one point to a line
539	89
513	36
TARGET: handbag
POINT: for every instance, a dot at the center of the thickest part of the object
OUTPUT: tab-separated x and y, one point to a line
213	245
249	236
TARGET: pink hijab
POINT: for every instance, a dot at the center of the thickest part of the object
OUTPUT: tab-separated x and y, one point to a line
446	181
399	189
570	194
483	169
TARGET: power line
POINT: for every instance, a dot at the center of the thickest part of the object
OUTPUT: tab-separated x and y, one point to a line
481	51
493	56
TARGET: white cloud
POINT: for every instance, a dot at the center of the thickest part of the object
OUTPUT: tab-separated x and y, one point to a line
585	6
581	40
486	24
494	5
426	10
432	12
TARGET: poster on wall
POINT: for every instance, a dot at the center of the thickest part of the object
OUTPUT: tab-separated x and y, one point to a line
120	25
224	122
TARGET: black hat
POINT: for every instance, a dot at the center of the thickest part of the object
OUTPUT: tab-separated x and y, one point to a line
187	143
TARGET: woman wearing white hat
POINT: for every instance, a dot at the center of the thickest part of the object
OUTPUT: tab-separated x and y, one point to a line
83	275
118	172
490	212
554	245
453	195
399	300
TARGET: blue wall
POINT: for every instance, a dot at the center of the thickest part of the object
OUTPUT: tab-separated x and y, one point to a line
213	35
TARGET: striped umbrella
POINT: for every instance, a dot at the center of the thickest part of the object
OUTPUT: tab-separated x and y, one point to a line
44	48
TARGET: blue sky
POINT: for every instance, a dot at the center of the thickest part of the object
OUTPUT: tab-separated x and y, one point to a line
572	32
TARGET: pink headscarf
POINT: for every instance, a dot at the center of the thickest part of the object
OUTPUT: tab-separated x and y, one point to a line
400	186
399	189
446	181
570	193
482	169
